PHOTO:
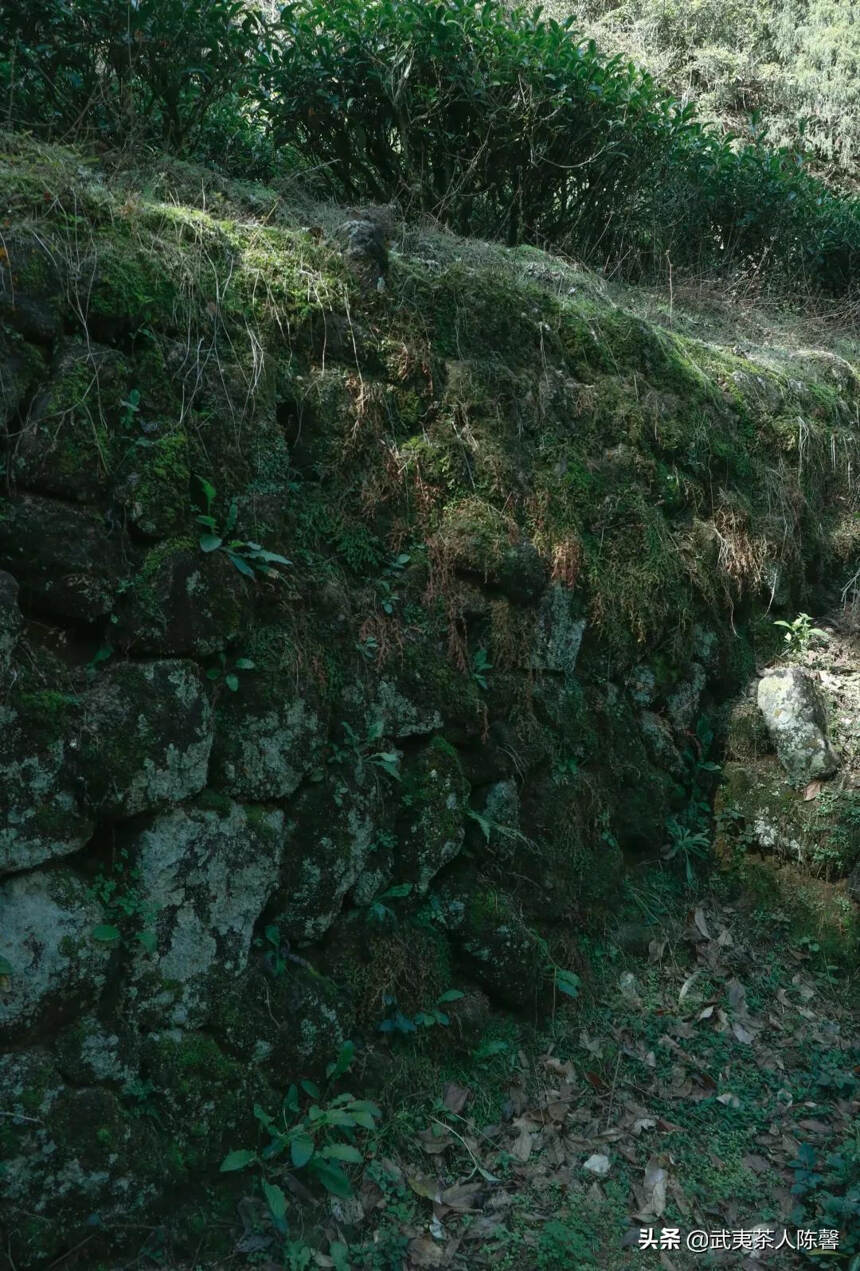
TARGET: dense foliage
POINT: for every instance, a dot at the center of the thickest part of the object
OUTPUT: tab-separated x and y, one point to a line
495	121
789	66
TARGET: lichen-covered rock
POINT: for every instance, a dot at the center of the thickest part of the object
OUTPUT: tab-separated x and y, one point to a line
333	829
10	622
68	1153
137	740
89	1052
560	628
43	810
31	288
68	442
795	713
404	707
46	938
683	704
268	737
289	1024
21	366
498	948
146	737
68	561
207	869
183	601
434	821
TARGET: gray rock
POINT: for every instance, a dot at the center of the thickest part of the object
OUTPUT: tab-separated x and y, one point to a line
683	704
208	873
46	925
267	739
139	739
559	632
795	712
10	622
147	737
64	558
330	841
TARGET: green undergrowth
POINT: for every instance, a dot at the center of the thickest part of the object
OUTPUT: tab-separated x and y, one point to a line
707	1045
486	395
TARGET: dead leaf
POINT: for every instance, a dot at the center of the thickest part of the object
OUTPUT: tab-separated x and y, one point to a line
423	1252
687	985
742	1034
462	1196
812	791
455	1097
522	1147
421	1186
654	1189
701	925
730	1100
597	1164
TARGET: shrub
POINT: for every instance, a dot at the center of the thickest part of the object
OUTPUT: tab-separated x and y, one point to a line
143	68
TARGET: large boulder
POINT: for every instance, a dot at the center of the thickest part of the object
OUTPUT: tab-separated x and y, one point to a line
137	740
267	738
67	442
207	871
50	961
795	712
146	738
435	796
70	564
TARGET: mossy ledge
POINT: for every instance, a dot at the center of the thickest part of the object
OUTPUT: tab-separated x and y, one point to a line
533	526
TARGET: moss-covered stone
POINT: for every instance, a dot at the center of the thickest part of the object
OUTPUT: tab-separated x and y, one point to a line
268	737
10	623
47	921
68	562
71	439
184	601
333	828
435	797
206	875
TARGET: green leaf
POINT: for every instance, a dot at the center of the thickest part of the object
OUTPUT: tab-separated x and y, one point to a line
210	542
148	939
301	1150
342	1152
244	664
342	1064
106	934
332	1178
276	1199
311	1089
242	565
452	995
232	682
566	982
237	1160
6	967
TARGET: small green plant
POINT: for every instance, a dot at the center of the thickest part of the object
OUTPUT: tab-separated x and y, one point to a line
800	633
480	666
251	559
396	1022
686	846
361	749
130	408
378	910
129	915
316	1132
225	672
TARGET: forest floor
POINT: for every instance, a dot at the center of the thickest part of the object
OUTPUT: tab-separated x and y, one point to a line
709	1083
